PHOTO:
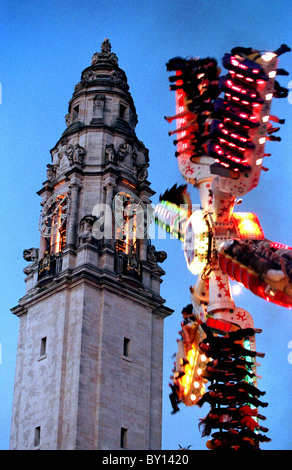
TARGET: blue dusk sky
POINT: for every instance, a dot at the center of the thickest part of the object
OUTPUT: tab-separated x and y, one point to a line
44	47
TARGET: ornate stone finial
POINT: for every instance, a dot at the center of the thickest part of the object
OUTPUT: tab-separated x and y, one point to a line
106	46
105	55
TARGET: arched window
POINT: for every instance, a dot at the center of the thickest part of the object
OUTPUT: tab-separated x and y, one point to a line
53	222
129	214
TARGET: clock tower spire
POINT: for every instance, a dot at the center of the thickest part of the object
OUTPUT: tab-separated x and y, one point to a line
89	356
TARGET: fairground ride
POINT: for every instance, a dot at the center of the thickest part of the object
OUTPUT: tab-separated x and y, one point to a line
222	124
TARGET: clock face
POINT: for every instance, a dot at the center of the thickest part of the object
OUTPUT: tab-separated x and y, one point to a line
54	214
130	213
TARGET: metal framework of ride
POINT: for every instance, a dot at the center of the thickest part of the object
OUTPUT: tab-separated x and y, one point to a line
222	124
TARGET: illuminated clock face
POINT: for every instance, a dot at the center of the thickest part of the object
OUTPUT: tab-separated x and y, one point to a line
54	214
130	213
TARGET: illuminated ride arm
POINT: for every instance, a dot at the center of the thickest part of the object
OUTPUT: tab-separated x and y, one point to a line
265	268
238	146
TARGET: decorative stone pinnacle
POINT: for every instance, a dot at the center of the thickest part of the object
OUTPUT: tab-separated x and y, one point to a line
105	56
106	46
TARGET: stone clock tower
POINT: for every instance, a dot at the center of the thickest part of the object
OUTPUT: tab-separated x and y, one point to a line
89	355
